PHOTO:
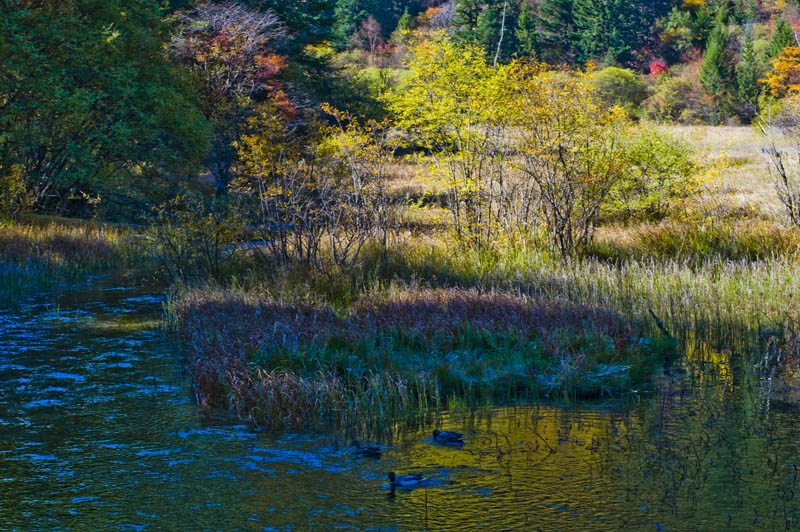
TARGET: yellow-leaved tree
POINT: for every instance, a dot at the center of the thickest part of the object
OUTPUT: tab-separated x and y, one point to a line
319	196
456	106
784	80
521	148
572	148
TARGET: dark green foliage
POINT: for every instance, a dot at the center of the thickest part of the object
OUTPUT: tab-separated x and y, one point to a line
782	37
556	27
89	105
717	73
620	86
495	31
747	75
703	23
526	33
466	19
307	21
347	15
406	22
613	29
677	34
744	11
599	29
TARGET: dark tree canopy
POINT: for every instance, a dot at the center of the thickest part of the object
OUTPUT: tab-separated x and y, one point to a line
89	105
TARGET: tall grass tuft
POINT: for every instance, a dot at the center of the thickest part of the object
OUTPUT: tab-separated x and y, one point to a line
35	256
399	352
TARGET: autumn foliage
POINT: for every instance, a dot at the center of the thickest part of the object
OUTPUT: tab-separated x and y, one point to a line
519	148
784	79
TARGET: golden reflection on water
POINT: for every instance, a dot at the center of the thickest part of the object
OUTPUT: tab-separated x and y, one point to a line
708	364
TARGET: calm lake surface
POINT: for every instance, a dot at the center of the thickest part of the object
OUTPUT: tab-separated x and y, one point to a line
99	431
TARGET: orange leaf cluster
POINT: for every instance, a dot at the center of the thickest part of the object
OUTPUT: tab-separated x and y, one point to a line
785	76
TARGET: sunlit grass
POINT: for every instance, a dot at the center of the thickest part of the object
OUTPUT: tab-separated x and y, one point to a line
37	255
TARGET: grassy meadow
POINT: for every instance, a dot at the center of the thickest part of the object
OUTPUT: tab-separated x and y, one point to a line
426	324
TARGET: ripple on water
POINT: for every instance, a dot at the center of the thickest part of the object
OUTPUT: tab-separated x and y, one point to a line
65	376
217	434
44	403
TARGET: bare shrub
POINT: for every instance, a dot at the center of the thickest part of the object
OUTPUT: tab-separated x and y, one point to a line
784	162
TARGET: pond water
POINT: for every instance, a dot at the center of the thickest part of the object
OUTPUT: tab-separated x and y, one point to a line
99	431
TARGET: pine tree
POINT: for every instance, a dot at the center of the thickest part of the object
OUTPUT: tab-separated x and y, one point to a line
493	31
782	37
702	24
615	28
748	74
605	28
465	20
526	33
715	74
745	10
556	28
347	14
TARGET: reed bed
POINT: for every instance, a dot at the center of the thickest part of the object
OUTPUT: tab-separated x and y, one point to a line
35	256
698	242
398	352
503	325
718	299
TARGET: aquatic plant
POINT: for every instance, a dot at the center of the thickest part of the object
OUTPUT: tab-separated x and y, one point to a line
397	352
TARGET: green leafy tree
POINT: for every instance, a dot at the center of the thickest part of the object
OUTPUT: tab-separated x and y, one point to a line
782	37
90	107
661	170
526	32
677	34
620	86
458	106
406	22
716	73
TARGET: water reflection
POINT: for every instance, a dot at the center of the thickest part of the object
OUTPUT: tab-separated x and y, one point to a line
98	430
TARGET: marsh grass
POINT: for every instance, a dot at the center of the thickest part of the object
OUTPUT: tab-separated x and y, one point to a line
720	271
402	351
503	325
717	299
697	241
38	254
